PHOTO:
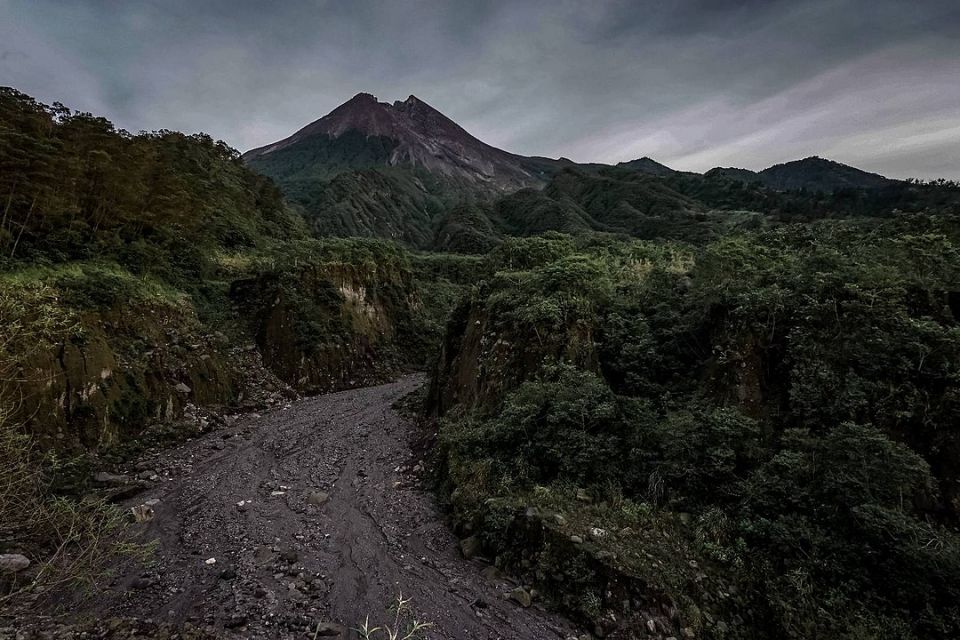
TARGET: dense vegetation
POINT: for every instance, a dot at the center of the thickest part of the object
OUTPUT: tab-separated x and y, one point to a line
759	434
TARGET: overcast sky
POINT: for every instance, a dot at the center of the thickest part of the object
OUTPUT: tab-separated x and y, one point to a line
691	83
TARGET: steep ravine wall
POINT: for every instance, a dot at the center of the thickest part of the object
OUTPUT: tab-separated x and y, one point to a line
480	361
113	372
328	327
121	369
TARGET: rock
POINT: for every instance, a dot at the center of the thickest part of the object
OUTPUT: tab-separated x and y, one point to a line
576	539
492	573
294	593
13	562
182	388
597	533
210	561
142	513
106	478
470	547
317	498
652	626
149	474
289	556
235	621
559	520
605	626
328	630
521	596
141	583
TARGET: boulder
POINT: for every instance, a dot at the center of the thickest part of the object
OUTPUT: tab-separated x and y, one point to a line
13	562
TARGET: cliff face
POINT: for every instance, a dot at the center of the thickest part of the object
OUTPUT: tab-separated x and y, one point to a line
329	327
120	370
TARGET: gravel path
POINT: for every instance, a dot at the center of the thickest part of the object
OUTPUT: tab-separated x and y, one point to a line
313	514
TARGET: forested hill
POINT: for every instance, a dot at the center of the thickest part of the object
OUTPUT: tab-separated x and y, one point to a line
73	186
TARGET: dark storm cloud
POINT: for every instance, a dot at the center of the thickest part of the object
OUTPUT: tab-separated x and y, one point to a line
693	83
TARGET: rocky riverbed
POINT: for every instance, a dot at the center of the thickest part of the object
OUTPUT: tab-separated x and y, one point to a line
301	522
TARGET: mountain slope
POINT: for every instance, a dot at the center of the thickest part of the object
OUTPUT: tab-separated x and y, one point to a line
406	172
366	133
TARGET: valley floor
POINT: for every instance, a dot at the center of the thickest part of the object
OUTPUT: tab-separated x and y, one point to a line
312	513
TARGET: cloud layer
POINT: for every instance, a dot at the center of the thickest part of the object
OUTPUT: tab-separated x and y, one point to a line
692	83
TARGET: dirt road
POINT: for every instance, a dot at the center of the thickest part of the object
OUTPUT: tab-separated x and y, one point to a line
310	514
